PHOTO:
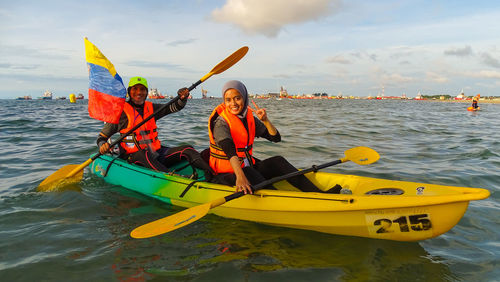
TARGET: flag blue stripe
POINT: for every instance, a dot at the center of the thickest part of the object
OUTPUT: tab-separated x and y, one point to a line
100	79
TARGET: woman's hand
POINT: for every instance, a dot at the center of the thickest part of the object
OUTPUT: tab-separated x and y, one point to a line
242	183
104	148
261	113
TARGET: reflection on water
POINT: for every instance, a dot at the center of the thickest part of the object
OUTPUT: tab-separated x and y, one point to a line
270	248
218	247
215	246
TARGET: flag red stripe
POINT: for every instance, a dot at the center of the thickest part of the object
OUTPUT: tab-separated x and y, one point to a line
107	108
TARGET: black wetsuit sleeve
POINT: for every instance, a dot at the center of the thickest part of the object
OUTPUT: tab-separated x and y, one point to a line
111	128
261	131
174	107
273	138
228	147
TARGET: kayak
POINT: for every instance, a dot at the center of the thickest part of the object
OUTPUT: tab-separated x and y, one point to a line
471	109
365	207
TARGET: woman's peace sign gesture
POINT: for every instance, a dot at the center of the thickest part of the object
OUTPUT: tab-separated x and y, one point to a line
262	115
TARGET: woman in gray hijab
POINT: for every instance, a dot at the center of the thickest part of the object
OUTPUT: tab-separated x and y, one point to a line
232	130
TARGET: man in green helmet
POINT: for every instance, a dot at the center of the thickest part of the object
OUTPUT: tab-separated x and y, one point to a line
143	147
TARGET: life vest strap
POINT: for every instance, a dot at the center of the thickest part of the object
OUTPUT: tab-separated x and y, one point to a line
215	147
218	156
134	140
147	141
247	149
146	132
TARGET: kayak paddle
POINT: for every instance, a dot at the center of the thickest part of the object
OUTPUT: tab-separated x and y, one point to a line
73	173
359	155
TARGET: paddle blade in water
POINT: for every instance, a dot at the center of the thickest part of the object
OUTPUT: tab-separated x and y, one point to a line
171	223
362	155
60	179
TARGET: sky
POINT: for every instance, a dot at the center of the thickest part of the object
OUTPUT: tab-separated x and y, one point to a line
355	47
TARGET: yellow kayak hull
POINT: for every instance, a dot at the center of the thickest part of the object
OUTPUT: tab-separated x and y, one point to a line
377	208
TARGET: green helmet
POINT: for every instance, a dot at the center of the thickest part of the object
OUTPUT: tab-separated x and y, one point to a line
138	80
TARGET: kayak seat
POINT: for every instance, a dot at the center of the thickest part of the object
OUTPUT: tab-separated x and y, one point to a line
185	169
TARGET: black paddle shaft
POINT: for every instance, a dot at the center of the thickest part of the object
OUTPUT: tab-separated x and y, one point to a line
143	122
283	177
193	86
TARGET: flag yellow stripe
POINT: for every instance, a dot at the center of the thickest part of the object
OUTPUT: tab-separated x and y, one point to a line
94	56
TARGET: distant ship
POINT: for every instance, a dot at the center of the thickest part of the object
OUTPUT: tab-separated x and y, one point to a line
24	97
47	95
461	96
80	97
419	97
283	92
154	94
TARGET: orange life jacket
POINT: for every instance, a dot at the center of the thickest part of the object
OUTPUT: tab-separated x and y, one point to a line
143	137
243	139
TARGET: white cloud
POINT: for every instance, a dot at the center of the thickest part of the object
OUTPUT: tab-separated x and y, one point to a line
435	77
397	78
485	74
459	52
489	60
182	42
339	59
269	17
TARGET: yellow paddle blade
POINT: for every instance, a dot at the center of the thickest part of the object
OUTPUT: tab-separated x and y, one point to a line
227	63
171	223
60	178
64	176
362	155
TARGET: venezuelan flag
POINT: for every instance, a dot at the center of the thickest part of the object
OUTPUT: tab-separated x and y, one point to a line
106	90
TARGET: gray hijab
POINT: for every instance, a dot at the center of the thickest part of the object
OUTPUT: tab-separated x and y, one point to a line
235	84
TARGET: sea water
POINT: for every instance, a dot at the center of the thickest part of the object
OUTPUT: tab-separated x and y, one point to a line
83	234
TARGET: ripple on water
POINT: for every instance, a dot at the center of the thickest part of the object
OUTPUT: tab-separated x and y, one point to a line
85	235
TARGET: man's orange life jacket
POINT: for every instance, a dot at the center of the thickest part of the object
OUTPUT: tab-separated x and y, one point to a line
143	137
243	139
